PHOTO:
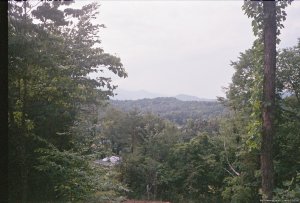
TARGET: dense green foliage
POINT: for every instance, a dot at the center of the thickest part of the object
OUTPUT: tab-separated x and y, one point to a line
287	150
242	127
51	53
163	161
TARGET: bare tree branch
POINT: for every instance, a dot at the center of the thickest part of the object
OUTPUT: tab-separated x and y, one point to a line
231	167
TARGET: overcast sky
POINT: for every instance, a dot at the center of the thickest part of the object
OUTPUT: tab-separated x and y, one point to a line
174	47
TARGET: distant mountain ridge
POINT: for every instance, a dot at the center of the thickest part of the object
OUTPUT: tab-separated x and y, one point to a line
184	97
122	94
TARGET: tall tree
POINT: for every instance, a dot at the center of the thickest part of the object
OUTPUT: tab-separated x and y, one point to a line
268	105
267	22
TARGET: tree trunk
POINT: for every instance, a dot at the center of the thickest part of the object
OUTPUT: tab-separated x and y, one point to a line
268	107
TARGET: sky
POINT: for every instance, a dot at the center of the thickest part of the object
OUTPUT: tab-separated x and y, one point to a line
181	47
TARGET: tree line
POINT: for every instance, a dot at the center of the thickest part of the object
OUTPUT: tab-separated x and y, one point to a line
173	109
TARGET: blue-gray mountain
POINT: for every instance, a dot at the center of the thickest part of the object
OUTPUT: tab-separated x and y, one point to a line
122	94
184	97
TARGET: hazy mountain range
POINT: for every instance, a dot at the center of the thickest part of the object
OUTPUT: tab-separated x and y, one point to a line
143	94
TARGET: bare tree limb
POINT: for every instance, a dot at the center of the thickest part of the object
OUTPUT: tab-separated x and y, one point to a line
231	167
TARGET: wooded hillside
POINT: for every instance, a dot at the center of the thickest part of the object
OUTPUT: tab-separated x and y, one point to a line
173	109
